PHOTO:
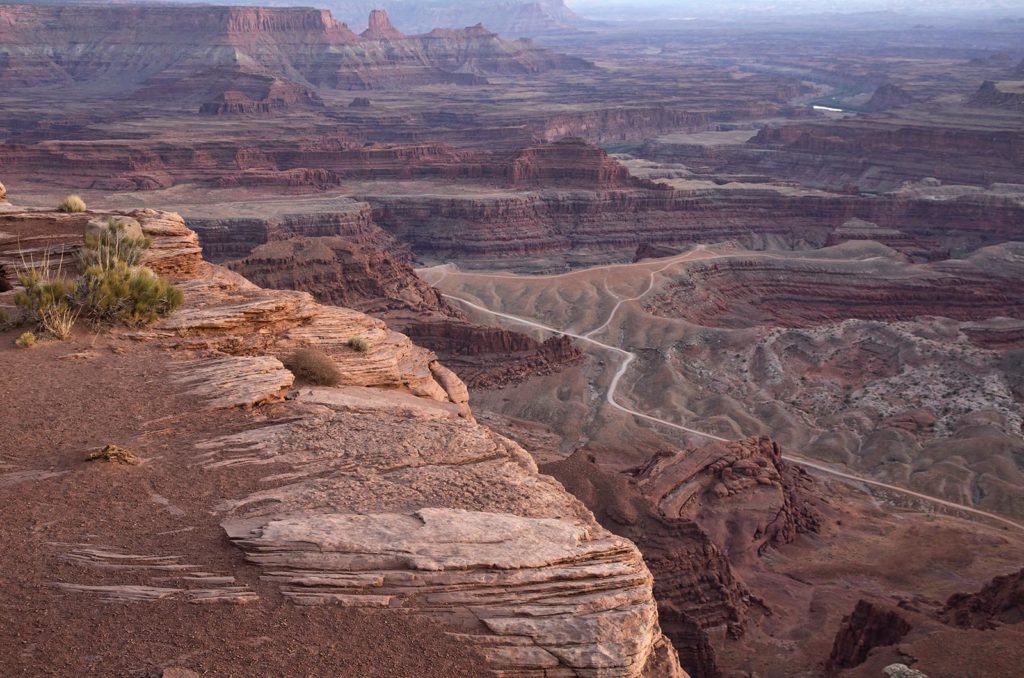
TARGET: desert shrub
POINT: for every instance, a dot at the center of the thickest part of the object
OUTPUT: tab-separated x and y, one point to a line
26	340
314	366
5	320
48	300
126	294
72	203
114	287
58	320
359	345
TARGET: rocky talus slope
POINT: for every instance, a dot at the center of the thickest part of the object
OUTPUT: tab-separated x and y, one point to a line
380	493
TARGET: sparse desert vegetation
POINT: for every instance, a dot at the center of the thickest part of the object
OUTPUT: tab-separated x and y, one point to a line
314	366
26	340
72	204
113	287
359	344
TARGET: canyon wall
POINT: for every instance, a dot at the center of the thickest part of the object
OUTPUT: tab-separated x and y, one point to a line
283	54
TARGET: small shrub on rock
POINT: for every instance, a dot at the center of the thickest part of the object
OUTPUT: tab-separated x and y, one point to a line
314	366
26	340
72	204
359	345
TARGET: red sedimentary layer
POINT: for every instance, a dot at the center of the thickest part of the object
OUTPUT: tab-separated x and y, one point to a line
803	293
869	626
168	51
1001	601
895	150
342	272
544	223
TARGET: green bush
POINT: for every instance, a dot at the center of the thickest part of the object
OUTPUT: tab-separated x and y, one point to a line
126	294
26	340
314	366
114	287
359	345
72	203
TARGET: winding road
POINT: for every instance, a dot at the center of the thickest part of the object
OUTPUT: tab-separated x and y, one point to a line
628	358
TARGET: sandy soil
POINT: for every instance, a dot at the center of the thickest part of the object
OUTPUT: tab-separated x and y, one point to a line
62	401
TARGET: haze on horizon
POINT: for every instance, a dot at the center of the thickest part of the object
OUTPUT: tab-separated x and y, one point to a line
685	8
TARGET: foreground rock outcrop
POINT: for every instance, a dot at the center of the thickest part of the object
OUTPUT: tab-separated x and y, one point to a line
381	493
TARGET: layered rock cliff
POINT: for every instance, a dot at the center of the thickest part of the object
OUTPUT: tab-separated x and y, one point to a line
735	292
363	276
560	222
140	49
380	493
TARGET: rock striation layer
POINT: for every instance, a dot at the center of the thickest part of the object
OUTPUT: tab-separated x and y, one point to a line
340	272
228	53
794	292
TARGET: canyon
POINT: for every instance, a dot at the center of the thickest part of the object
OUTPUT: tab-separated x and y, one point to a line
692	347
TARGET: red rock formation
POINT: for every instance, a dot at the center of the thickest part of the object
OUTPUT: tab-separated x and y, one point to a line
869	626
694	583
888	96
1001	601
741	494
802	293
341	272
1008	95
276	96
226	238
570	162
380	27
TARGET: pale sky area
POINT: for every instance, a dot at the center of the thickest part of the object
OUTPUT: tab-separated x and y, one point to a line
801	6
